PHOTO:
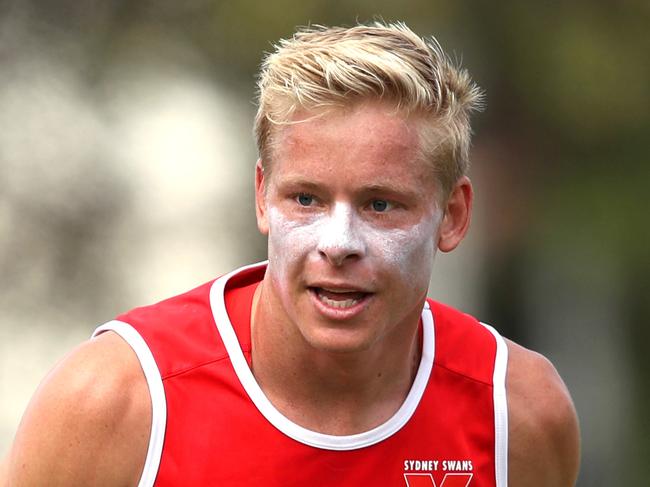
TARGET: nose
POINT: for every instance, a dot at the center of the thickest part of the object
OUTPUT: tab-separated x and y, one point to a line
341	239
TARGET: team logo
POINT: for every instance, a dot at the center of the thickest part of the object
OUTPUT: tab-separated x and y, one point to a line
427	480
449	473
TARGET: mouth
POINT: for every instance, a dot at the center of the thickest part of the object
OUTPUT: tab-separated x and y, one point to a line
341	299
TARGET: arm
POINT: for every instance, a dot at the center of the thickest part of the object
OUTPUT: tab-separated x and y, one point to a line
87	424
544	439
3	472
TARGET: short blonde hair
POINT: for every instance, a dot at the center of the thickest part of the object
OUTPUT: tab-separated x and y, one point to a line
334	67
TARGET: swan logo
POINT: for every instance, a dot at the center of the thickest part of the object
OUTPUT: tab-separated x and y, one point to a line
427	480
449	473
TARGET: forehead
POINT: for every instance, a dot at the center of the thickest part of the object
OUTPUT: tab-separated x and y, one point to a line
371	141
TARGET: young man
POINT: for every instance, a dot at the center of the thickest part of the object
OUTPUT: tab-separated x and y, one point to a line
326	366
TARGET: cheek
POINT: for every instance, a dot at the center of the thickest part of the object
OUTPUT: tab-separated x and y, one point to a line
289	241
410	252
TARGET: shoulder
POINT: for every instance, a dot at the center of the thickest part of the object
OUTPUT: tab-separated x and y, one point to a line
544	444
88	423
463	344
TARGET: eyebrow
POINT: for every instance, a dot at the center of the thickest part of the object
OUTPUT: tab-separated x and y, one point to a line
299	181
389	189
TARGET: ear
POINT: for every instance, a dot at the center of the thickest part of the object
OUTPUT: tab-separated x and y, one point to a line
457	216
260	199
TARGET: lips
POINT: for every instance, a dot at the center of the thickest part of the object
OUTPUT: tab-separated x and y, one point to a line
339	298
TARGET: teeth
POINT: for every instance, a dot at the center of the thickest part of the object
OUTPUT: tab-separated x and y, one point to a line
348	303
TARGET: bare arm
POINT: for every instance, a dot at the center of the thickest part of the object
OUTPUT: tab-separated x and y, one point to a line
544	438
3	472
87	424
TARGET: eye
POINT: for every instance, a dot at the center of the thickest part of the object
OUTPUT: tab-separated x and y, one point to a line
305	199
380	206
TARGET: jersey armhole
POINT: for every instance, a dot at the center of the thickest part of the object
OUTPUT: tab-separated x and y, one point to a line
156	392
500	409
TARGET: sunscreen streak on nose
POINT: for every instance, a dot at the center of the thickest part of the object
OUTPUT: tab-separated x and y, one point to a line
340	234
342	230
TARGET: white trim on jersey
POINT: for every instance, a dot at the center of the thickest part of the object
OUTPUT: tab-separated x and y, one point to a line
500	410
156	391
295	431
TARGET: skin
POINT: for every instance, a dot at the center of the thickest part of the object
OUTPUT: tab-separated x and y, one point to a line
88	422
345	191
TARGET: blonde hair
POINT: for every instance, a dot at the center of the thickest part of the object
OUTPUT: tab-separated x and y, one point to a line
334	67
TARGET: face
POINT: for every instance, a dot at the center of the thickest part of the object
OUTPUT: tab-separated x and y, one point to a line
352	217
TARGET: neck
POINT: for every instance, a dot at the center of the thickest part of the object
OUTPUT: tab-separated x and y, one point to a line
338	393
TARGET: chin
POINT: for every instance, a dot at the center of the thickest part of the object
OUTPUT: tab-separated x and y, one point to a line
342	341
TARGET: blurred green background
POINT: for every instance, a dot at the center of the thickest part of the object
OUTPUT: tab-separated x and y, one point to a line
126	169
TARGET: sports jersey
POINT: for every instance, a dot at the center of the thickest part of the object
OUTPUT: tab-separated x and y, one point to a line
212	425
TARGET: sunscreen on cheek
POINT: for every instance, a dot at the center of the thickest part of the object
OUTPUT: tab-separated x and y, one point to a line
410	251
340	233
290	242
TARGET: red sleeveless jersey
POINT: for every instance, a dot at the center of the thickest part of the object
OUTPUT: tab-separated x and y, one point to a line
212	425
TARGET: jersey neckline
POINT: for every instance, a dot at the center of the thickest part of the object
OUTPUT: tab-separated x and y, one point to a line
294	430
